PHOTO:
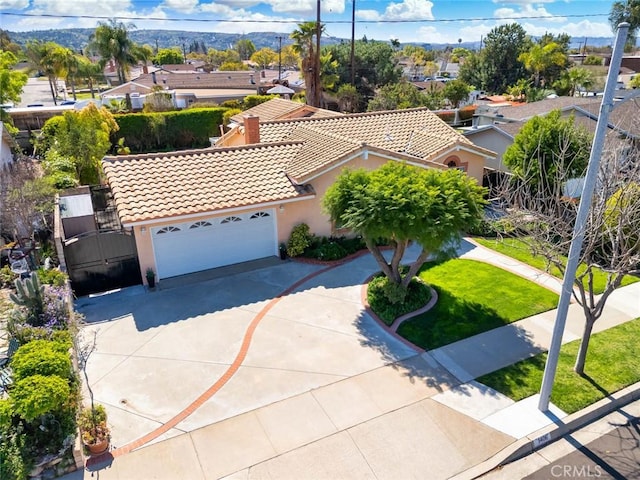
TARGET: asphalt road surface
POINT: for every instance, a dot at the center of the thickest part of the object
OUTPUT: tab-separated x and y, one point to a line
613	455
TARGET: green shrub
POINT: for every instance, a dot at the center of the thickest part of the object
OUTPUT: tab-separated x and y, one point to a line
389	303
353	244
14	454
226	118
41	357
38	394
484	228
593	60
235	104
331	250
52	276
162	131
7	277
299	240
251	101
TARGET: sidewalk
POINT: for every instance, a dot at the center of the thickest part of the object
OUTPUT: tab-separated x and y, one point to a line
420	415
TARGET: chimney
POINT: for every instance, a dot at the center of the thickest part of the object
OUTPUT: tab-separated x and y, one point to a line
251	129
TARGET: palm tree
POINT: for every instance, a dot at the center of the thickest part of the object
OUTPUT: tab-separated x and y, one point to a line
90	72
626	11
305	40
67	63
42	57
111	41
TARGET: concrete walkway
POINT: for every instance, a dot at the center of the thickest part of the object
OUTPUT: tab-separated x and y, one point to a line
303	384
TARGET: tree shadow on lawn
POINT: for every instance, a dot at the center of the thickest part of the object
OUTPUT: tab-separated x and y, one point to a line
450	320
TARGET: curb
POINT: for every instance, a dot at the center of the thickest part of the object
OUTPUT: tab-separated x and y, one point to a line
547	435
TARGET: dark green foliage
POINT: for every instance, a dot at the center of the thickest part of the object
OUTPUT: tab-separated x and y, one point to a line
29	295
417	295
41	357
162	131
15	462
330	250
299	240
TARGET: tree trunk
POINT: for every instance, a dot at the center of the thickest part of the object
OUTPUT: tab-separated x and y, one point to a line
53	91
384	266
93	93
73	89
415	266
584	347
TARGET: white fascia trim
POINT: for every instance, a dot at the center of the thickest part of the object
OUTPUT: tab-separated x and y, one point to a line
473	150
180	218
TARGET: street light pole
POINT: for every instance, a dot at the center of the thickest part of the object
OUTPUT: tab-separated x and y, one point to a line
581	218
279	55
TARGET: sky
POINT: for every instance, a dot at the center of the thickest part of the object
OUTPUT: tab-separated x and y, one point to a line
418	21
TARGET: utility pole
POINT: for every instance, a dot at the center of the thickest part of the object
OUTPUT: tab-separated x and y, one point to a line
353	38
581	218
279	55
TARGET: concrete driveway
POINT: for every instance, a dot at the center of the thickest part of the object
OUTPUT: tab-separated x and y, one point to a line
157	352
274	373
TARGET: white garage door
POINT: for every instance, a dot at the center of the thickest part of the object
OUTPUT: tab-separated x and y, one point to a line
214	242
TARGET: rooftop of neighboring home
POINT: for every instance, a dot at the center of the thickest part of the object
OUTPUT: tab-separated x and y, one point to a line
525	111
276	167
279	109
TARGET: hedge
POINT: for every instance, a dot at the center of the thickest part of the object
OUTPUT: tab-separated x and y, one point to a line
163	131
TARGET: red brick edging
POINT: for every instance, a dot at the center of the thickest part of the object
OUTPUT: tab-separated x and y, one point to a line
94	461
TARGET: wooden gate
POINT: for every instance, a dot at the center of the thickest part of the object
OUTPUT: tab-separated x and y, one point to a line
97	262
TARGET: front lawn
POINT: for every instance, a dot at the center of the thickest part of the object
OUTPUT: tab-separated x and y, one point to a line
612	364
473	297
518	249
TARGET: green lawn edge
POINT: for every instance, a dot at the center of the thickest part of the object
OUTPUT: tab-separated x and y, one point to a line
611	365
473	297
519	250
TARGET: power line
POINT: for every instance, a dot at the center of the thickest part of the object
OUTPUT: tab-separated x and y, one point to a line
219	20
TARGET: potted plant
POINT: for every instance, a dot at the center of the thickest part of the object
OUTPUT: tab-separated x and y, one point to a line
151	277
94	431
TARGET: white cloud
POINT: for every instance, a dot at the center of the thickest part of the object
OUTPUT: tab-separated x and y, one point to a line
524	2
527	11
306	6
238	3
581	29
405	10
183	6
369	15
13	4
103	8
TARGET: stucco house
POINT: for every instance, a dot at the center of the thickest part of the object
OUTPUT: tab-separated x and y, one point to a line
200	209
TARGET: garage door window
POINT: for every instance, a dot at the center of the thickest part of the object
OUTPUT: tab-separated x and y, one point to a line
168	230
200	225
231	220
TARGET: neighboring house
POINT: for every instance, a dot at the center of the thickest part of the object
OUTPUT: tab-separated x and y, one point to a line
189	87
201	209
6	144
282	109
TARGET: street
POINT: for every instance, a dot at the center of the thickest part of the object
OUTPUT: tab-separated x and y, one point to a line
613	455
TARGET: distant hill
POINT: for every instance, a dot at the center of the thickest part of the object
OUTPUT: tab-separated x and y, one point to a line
77	39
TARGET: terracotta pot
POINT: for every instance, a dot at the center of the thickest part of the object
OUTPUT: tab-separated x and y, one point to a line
99	447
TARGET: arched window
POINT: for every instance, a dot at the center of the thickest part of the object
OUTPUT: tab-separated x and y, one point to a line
169	229
259	215
231	220
201	224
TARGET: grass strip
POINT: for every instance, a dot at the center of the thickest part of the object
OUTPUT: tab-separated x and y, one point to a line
612	364
473	297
